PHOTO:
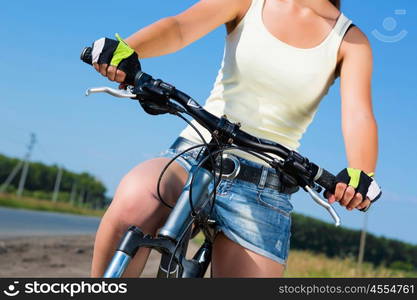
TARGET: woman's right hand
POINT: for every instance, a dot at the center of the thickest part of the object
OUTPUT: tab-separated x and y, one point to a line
355	189
115	60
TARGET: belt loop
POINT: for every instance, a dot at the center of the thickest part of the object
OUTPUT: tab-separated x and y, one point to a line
264	176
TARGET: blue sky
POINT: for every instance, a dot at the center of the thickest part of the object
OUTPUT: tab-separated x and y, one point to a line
42	85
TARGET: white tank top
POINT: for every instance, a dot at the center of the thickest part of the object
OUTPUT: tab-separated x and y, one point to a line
272	88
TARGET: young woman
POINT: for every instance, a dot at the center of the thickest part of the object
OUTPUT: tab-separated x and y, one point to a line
280	59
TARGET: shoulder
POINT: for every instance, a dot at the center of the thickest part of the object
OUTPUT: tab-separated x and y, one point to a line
355	49
355	42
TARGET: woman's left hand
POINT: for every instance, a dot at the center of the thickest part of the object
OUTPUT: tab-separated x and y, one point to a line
354	189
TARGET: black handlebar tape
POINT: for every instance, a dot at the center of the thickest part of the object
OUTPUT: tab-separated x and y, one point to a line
327	180
86	55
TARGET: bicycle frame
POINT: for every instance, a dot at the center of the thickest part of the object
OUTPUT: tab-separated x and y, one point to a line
172	239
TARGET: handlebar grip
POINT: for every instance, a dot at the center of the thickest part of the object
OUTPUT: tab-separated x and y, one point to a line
326	180
86	55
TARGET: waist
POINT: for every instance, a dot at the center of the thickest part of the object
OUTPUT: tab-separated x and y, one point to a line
234	166
189	134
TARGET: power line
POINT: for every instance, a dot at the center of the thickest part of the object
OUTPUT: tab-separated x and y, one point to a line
23	163
26	165
47	154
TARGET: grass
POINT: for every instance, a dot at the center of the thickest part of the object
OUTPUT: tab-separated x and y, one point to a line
309	264
7	200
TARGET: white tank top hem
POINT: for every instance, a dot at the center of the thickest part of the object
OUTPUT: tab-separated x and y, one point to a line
272	88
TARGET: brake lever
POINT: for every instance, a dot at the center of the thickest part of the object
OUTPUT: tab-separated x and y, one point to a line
316	197
116	93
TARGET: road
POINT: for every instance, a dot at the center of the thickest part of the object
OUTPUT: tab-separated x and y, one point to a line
44	244
18	223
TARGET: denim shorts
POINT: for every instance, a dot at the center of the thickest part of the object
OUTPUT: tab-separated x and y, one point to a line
255	217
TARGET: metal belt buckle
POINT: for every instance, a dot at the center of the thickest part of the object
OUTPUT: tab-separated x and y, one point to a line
236	168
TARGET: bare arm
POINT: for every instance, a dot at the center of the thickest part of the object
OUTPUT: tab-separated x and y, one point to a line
173	33
358	122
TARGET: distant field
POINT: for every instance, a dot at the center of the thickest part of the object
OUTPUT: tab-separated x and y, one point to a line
307	264
12	201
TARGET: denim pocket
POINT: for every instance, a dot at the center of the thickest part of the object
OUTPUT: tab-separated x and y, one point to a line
224	187
274	200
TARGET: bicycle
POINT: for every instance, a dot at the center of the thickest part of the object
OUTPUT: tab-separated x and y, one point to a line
194	205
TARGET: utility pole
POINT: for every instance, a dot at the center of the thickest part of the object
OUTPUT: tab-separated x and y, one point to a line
73	191
87	197
11	176
57	184
81	197
26	165
362	242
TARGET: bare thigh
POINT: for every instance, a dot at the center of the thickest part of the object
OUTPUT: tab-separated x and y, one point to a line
232	260
136	202
136	199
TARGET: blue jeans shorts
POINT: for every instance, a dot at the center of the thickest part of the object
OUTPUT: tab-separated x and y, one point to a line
251	215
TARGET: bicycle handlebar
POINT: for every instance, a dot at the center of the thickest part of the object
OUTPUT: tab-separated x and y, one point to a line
292	162
87	55
239	137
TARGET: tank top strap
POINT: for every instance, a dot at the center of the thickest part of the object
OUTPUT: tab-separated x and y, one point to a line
257	7
336	37
342	25
252	14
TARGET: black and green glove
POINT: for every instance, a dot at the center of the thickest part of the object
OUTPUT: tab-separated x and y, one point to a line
363	183
118	54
